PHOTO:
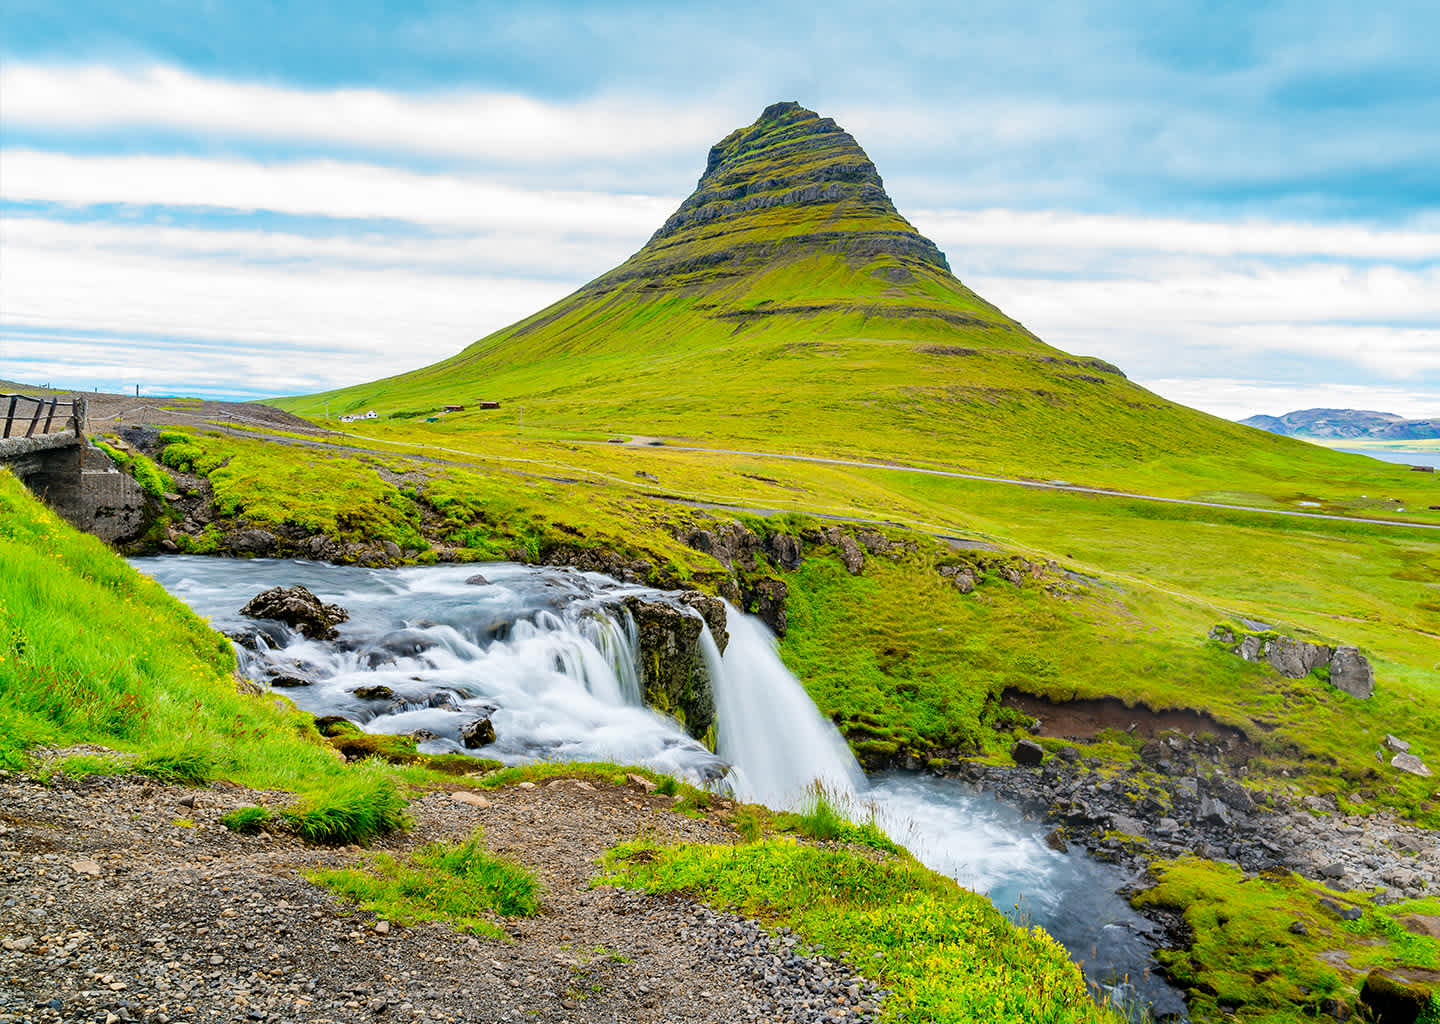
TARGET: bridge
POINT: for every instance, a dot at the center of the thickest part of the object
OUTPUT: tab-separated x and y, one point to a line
43	442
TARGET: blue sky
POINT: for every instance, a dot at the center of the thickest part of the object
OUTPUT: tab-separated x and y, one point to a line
1236	203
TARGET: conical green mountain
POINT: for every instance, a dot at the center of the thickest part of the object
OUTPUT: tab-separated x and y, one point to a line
787	305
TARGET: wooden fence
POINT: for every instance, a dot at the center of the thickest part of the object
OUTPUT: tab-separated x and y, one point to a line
28	416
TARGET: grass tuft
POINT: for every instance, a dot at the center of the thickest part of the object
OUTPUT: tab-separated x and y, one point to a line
462	884
362	806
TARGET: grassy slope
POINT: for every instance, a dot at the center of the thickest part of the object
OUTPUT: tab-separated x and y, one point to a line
836	347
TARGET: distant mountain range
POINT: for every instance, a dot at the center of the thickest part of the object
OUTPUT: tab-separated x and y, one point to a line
1347	424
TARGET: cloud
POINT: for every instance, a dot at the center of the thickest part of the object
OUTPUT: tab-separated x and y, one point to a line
487	125
1235	398
325	188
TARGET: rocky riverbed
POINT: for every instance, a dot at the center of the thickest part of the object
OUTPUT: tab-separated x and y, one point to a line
124	900
1175	803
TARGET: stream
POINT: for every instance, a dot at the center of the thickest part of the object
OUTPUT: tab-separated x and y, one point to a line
550	657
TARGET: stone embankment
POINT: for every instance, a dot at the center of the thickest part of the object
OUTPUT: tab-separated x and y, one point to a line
124	901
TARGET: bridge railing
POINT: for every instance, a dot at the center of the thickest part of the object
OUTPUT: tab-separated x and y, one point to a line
33	416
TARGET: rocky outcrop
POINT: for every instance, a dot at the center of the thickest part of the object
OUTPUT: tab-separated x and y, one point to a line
297	607
673	672
1400	996
1351	672
1346	668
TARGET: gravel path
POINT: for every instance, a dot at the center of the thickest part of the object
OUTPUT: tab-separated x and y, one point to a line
121	902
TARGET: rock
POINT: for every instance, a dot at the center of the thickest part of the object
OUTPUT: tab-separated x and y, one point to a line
1343	911
382	927
765	599
1334	870
1351	672
1298	928
86	867
1422	924
1212	812
473	799
477	733
1223	634
963	582
673	672
1412	764
1126	825
1295	658
289	682
641	782
1250	648
850	554
712	610
251	542
1394	999
391	549
1056	841
374	692
19	944
477	581
1397	745
1233	795
188	800
1028	752
297	607
1070	755
785	550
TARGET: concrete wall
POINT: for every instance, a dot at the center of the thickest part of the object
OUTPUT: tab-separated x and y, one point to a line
81	483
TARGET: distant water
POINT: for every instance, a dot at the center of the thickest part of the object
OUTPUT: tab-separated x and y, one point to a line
1407	458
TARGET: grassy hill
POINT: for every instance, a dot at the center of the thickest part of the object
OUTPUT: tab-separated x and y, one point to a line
788	305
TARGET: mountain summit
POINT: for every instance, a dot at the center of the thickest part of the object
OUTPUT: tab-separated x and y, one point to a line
789	181
787	302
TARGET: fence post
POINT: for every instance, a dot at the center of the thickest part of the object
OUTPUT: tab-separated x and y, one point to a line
10	415
77	406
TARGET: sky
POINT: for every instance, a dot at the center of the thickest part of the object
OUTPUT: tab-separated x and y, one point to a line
1236	203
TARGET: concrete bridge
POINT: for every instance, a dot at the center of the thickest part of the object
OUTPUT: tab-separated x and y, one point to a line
43	442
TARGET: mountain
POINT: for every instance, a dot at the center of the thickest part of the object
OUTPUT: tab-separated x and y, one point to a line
788	304
1347	424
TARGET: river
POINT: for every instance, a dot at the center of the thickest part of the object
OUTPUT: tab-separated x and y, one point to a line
550	657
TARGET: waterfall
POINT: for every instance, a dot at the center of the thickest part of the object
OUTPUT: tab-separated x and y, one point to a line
769	730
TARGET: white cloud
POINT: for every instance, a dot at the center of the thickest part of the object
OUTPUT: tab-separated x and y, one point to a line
485	125
963	230
321	188
1238	399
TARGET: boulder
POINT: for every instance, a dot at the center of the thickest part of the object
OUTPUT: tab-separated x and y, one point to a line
479	732
374	692
1295	658
785	550
1233	795
1395	998
1412	764
1056	841
297	607
1351	672
963	582
477	580
1396	744
1250	648
673	672
1212	812
1028	752
251	542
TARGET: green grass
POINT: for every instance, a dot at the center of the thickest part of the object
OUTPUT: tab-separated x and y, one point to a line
93	652
946	954
153	480
822	819
461	884
1247	964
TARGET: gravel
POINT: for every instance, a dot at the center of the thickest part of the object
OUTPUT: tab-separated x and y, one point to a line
120	901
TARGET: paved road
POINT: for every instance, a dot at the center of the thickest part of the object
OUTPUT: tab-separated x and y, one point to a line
1042	485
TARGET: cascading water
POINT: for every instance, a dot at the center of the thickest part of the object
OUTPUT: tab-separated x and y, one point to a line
769	729
551	657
